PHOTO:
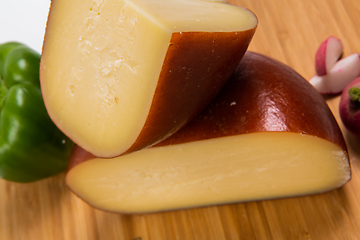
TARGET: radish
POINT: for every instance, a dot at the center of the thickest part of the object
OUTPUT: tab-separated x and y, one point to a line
340	75
327	55
332	74
350	107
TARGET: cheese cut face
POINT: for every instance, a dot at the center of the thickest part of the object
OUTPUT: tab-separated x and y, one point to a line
267	134
118	76
232	169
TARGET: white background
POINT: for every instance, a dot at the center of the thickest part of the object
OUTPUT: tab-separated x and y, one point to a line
24	21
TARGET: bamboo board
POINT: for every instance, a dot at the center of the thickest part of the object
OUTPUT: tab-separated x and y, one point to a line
289	31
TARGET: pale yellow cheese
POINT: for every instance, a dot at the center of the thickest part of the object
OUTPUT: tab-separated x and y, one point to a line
217	171
102	59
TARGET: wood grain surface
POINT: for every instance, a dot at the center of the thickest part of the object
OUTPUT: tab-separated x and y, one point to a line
290	31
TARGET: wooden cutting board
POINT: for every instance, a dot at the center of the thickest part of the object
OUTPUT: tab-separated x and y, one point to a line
290	31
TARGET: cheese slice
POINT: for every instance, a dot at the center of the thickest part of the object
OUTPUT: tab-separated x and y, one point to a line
255	166
115	74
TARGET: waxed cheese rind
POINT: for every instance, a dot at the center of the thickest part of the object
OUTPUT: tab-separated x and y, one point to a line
217	171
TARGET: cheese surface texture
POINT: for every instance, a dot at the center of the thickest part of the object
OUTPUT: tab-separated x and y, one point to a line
103	61
224	170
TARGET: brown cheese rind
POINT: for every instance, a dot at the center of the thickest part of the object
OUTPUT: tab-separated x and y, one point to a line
196	66
263	95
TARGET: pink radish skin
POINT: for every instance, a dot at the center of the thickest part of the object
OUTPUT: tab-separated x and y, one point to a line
340	75
350	109
327	55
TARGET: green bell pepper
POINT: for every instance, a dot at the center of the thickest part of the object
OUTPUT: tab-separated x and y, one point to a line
31	146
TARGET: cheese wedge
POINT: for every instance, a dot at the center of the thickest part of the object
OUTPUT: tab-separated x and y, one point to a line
118	76
268	134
